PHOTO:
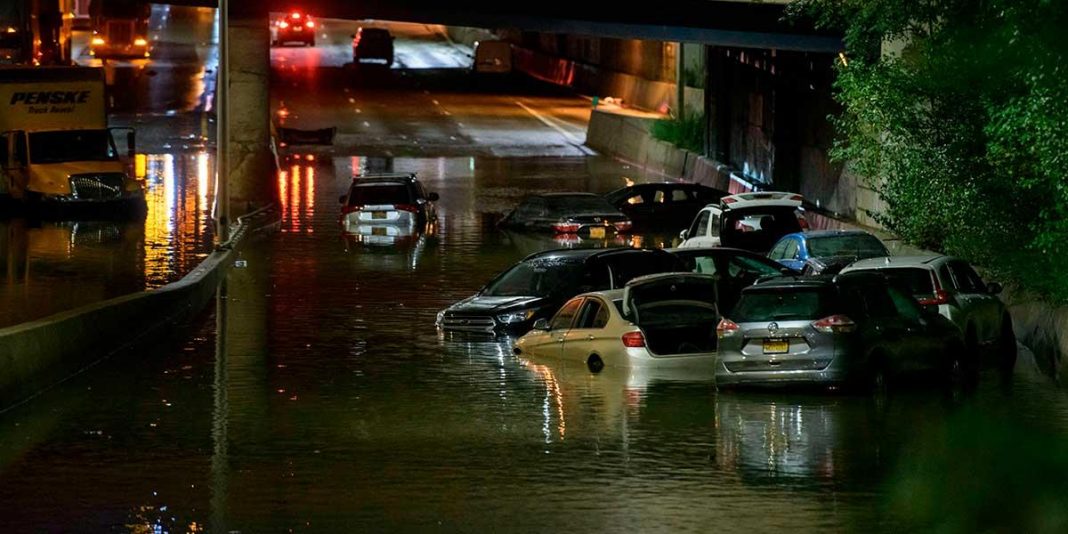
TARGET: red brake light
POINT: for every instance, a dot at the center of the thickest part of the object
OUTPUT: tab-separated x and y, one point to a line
835	324
940	297
726	328
729	200
566	228
345	210
798	198
295	15
283	24
623	226
309	24
412	208
634	340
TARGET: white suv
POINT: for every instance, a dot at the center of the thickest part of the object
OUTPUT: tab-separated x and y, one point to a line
751	221
955	289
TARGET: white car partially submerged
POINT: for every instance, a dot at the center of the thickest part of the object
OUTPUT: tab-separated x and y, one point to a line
752	221
657	320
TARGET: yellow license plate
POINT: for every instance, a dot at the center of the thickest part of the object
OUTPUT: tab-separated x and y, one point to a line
378	231
597	232
378	215
776	346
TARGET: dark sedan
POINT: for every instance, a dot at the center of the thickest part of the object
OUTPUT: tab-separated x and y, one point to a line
567	213
665	205
536	287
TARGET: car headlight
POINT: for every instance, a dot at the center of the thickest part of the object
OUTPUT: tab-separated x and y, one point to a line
515	317
441	317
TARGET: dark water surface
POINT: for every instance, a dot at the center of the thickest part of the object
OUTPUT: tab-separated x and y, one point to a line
318	396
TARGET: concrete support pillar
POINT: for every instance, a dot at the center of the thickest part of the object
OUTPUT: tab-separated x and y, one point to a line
252	167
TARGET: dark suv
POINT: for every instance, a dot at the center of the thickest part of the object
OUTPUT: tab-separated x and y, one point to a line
535	287
372	45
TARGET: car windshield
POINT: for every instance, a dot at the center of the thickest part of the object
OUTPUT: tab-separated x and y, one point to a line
912	280
536	278
71	145
758	228
782	304
858	245
383	193
572	205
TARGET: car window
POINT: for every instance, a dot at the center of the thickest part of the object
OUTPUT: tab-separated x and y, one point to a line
912	280
700	224
680	195
593	315
945	277
906	306
966	278
739	265
562	319
379	193
792	249
627	267
659	197
877	301
536	278
781	304
859	245
778	250
715	224
635	199
704	264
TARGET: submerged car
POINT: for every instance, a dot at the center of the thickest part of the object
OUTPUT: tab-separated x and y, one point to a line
734	269
750	221
851	330
663	205
582	214
958	293
385	207
793	250
535	287
657	320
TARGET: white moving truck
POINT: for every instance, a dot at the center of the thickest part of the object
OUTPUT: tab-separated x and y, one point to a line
55	145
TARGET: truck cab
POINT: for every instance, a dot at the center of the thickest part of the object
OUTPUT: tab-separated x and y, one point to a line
55	146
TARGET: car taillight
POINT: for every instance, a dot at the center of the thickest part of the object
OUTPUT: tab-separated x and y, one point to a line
283	24
309	24
798	198
295	15
634	340
940	297
623	226
729	200
727	328
566	227
835	324
345	210
412	208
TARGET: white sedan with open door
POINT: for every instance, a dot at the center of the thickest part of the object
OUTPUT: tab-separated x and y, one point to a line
660	320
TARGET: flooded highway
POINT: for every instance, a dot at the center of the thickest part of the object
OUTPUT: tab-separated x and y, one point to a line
318	396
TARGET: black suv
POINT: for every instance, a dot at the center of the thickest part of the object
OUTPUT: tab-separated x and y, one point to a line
537	286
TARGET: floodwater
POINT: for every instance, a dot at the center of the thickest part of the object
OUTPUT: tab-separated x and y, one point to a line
319	397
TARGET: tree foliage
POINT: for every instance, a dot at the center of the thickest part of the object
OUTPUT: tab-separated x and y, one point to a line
957	111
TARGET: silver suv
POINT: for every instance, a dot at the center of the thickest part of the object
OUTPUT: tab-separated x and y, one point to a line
956	290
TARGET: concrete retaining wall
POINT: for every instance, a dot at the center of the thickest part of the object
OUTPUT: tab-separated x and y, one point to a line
39	354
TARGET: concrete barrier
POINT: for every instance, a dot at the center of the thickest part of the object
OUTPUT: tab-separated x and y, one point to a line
626	136
39	354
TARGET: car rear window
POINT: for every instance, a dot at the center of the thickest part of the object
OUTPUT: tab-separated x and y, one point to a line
859	245
776	220
782	304
578	204
372	194
912	280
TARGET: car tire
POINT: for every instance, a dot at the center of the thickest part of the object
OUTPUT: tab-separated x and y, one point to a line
594	363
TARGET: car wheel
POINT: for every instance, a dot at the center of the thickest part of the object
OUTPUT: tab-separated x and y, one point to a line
595	363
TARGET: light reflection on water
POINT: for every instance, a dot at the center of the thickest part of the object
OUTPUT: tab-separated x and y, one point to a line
55	265
339	407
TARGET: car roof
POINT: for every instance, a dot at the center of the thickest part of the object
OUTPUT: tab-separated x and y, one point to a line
582	254
564	194
385	177
830	233
761	199
897	261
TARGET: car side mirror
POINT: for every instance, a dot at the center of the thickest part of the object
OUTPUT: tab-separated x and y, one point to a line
433	197
341	199
684	235
994	288
541	324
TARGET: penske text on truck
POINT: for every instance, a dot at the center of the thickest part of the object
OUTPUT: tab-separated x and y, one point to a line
55	146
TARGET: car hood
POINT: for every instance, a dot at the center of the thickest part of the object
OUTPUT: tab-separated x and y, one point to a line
479	304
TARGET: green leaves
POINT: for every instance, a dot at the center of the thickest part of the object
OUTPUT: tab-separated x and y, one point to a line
957	112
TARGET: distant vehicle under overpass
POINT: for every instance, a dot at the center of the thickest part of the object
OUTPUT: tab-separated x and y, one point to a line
750	24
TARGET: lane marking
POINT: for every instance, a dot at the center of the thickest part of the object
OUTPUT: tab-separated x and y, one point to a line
546	121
